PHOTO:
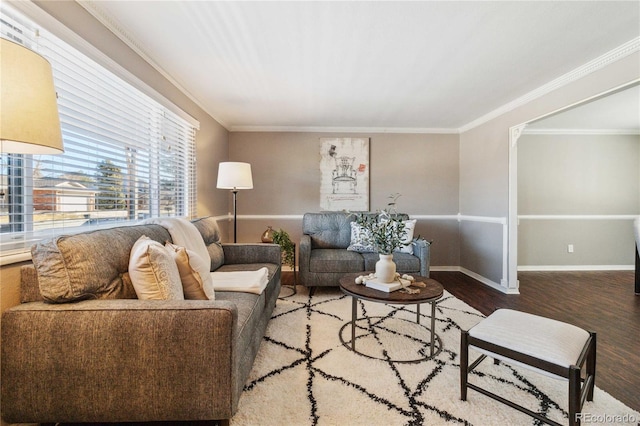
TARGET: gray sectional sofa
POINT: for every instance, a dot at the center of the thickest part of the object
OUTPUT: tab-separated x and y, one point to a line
324	258
114	358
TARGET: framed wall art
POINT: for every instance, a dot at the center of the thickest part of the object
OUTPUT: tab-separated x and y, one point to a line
344	174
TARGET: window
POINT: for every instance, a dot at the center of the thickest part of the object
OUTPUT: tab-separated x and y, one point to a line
127	157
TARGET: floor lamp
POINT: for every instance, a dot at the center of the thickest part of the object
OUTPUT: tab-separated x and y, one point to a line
234	176
29	120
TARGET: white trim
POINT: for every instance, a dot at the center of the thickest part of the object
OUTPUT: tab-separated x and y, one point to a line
485	219
269	216
457	217
24	256
488	282
532	268
602	61
596	132
578	217
512	224
311	129
444	268
63	32
475	276
435	216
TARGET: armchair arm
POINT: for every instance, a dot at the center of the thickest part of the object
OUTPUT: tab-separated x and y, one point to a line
118	360
304	256
422	249
235	253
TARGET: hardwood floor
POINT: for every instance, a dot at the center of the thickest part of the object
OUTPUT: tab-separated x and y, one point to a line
603	302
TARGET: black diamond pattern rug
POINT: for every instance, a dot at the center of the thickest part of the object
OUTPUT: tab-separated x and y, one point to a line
305	375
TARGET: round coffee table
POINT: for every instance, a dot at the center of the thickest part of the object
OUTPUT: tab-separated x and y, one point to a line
431	293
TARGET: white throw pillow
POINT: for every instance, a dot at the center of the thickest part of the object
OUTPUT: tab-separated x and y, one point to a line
184	234
409	227
359	237
194	284
153	271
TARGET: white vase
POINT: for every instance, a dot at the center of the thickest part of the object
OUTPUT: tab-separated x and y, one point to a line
386	268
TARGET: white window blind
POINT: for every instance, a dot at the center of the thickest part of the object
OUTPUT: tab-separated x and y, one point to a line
127	157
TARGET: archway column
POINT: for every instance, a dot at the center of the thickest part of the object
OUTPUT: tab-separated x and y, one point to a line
512	247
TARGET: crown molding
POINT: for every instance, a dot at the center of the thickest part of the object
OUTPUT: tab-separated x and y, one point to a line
318	129
602	61
93	8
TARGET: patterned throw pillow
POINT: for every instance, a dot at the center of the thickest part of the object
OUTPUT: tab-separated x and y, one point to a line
359	237
194	273
153	271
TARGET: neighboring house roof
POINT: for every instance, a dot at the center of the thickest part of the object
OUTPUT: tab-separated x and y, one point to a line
61	185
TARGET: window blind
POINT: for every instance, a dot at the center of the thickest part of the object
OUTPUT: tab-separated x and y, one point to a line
127	157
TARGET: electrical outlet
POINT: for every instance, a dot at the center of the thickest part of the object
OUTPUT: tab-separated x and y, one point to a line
570	248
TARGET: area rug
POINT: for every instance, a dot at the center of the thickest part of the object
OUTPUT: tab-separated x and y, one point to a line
305	375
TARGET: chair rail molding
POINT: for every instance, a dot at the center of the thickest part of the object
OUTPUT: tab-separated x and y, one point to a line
578	216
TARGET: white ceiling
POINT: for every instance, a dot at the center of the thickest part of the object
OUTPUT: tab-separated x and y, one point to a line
617	112
365	64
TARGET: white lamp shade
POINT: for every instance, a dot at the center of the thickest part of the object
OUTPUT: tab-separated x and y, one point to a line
29	121
234	175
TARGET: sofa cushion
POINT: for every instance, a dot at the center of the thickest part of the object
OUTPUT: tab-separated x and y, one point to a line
153	271
208	227
196	285
328	230
336	260
404	262
63	264
250	310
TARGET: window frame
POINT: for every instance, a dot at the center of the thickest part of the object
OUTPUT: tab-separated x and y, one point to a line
56	28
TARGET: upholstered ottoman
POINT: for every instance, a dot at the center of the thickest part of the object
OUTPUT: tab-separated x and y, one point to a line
548	346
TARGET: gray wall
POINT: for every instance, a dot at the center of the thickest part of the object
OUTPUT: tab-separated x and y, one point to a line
484	165
577	175
286	178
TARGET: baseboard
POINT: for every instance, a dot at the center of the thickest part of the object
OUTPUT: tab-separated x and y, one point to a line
533	268
445	268
484	280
